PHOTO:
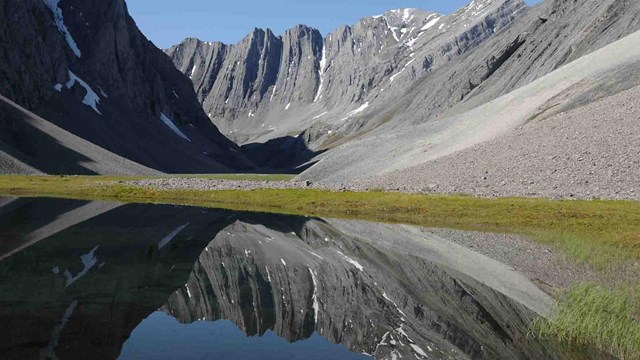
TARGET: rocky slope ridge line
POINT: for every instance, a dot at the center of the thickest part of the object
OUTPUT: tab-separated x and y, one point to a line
85	67
594	76
270	86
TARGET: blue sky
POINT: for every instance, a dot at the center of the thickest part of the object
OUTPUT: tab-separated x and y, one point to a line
167	22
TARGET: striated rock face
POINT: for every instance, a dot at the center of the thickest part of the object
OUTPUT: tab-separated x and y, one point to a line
269	86
555	33
525	72
85	66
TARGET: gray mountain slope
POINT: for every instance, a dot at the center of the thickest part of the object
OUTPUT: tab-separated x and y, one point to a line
589	152
548	36
11	165
268	86
402	68
31	145
85	66
410	145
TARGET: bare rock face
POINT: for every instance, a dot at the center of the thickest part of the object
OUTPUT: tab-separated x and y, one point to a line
86	67
269	86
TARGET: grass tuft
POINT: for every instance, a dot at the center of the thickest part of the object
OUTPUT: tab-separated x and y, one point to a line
592	316
585	249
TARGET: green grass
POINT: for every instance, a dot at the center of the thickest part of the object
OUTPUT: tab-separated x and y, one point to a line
602	234
597	253
593	316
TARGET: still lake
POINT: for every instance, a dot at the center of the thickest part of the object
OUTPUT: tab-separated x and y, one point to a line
100	280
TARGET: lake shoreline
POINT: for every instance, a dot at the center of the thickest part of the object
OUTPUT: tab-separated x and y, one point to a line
489	192
594	244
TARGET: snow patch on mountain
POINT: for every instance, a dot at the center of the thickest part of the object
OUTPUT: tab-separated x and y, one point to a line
91	99
430	24
59	19
173	127
167	239
316	303
392	78
89	260
319	116
352	261
323	64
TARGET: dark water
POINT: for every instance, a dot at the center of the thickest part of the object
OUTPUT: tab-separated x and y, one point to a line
97	280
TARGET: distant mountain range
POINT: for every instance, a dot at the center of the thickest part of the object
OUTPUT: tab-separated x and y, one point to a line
407	79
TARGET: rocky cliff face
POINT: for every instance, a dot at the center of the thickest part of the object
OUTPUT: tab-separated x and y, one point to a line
271	86
86	67
543	43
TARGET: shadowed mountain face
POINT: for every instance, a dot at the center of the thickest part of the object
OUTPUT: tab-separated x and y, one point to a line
85	67
77	278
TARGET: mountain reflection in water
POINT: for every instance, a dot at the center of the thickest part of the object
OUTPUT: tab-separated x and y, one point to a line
103	280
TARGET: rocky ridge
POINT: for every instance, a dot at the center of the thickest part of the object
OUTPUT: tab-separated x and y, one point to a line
269	86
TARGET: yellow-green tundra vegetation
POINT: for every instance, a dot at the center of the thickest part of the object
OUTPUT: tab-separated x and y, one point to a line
604	235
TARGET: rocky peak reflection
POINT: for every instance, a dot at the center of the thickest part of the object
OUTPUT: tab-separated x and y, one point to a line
75	284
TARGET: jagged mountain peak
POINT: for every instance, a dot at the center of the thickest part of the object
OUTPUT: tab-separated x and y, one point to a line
404	15
300	79
301	28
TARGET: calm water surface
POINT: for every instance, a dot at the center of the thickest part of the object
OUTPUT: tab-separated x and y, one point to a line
94	280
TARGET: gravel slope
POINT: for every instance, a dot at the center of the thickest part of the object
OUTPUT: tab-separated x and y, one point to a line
9	165
590	152
587	153
30	144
